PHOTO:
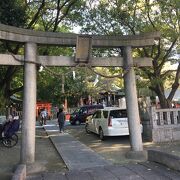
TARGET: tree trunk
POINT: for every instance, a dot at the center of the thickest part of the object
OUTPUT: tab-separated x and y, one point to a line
164	102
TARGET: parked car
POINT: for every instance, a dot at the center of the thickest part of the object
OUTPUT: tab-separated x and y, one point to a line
80	114
108	122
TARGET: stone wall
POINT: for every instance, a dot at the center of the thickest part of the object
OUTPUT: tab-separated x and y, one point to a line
165	124
159	125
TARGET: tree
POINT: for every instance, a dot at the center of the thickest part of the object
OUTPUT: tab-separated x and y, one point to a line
7	72
127	17
41	15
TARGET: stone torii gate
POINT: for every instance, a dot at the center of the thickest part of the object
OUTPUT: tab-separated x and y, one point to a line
83	45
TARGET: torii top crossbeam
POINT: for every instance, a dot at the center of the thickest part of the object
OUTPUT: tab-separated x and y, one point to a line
69	39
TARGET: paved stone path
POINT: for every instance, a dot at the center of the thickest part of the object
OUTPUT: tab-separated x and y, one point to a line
77	158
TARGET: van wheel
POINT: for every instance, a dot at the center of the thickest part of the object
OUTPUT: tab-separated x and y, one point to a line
101	134
77	122
87	128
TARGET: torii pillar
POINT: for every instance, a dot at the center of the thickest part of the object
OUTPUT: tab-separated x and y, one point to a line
132	106
29	105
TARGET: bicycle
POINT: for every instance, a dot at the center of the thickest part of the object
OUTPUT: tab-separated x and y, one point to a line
9	141
8	136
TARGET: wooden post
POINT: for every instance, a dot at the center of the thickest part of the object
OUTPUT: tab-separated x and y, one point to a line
81	101
65	104
63	82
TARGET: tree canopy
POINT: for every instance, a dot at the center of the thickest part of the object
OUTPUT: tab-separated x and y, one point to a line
40	15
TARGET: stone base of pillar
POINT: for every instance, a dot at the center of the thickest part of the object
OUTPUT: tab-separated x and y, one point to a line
20	172
36	167
137	155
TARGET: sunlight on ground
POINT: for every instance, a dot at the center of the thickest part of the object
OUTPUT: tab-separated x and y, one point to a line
51	130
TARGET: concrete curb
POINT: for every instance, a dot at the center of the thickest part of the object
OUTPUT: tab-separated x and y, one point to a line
20	173
164	158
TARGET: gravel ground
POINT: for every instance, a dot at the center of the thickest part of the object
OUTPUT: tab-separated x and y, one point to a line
47	158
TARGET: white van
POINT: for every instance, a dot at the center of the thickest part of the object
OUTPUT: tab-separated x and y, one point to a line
109	121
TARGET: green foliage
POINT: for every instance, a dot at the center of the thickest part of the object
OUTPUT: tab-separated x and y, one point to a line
50	85
2	103
12	12
39	15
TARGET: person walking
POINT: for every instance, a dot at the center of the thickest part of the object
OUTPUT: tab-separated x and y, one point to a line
43	116
61	120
